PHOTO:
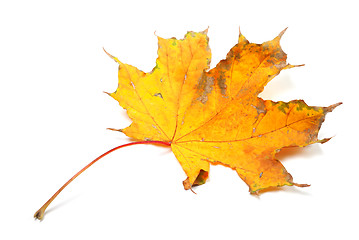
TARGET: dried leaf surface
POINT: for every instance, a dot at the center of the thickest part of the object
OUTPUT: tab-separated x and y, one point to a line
215	116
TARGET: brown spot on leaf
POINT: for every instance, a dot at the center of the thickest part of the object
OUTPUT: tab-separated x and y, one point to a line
205	86
221	82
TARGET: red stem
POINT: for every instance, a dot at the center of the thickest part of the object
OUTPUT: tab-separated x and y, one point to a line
40	213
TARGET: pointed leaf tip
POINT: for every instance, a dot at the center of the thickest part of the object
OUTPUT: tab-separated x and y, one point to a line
293	66
113	57
282	32
332	107
114	129
241	38
300	185
205	31
103	48
324	140
278	38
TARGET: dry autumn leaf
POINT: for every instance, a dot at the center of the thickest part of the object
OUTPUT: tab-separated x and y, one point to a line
215	116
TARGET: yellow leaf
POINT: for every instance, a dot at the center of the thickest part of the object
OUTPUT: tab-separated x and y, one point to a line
215	116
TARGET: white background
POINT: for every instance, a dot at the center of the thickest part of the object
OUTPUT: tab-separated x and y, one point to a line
54	116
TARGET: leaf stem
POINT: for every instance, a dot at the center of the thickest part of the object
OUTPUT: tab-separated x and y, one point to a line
40	213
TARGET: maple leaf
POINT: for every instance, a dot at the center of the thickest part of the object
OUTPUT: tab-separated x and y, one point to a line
215	117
